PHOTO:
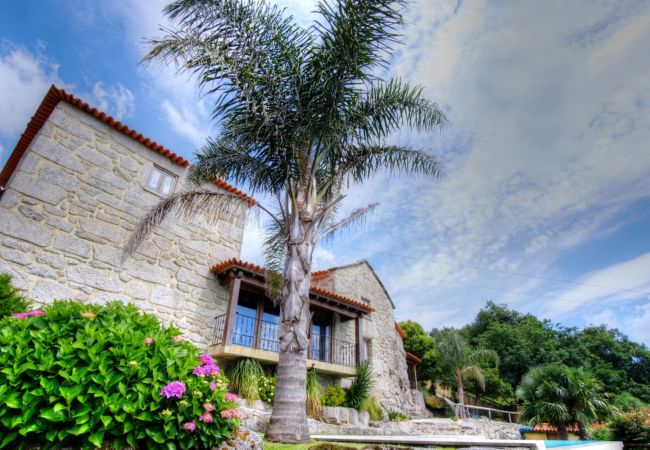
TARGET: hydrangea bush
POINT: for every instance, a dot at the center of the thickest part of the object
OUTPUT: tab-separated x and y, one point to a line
87	376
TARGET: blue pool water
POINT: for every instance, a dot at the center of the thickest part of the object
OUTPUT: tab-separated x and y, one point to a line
555	444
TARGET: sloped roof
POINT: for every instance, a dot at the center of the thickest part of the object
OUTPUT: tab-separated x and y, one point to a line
236	262
323	274
51	100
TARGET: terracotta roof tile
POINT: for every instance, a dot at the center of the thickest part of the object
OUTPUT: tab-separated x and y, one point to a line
236	262
52	99
414	359
399	330
548	427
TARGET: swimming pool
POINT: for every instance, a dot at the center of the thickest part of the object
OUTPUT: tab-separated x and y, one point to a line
557	444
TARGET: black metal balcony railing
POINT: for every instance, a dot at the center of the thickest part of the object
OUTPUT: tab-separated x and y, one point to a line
264	335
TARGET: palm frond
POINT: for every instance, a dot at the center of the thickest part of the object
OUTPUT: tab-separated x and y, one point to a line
213	206
261	169
246	53
355	217
474	372
388	106
355	37
361	161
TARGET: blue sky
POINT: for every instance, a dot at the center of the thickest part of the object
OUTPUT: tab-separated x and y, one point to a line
546	200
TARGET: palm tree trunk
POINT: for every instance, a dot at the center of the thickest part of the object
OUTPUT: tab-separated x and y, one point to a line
582	431
562	432
288	421
460	393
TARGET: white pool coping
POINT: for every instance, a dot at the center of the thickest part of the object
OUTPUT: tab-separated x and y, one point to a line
464	441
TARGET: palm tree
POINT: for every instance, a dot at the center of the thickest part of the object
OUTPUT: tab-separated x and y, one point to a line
562	396
587	403
457	358
303	115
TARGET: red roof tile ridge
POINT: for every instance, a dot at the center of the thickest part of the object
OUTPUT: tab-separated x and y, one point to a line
51	100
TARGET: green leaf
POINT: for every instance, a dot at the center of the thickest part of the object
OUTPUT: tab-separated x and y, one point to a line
97	438
30	428
106	420
51	415
157	436
51	435
59	407
13	401
9	438
79	429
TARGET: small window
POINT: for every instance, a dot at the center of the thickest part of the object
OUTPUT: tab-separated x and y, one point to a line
161	181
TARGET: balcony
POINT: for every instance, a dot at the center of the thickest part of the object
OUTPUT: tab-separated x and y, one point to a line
256	338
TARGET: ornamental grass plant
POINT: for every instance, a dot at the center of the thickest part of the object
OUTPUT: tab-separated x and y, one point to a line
89	376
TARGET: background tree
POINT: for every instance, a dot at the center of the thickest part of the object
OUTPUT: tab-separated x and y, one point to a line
420	344
462	362
302	116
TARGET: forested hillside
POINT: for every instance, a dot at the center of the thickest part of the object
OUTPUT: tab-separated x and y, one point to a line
522	341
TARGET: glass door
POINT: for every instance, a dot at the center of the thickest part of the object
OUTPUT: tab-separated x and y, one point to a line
321	336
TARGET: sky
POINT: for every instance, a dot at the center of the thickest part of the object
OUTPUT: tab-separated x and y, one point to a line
545	200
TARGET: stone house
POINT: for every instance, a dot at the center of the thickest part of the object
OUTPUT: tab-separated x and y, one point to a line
79	181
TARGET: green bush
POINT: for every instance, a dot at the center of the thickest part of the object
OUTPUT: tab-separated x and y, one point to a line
360	388
630	427
372	407
267	388
334	396
396	416
601	433
85	375
11	302
245	376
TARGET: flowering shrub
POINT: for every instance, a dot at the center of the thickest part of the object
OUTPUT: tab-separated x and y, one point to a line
83	375
266	388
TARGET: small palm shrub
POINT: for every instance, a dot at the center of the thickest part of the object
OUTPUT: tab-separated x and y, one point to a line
373	408
11	301
245	376
360	388
81	375
267	388
314	394
396	416
334	396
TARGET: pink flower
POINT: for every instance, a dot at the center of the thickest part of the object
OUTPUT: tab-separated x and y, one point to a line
230	397
209	369
213	386
23	316
178	339
230	414
148	341
206	360
209	407
207	418
173	389
189	426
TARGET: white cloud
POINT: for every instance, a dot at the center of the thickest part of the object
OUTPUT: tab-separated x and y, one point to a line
115	99
631	280
546	149
24	80
186	122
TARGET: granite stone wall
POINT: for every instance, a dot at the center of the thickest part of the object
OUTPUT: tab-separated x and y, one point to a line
385	349
68	212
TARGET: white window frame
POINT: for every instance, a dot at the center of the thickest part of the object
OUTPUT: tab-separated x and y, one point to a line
163	175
